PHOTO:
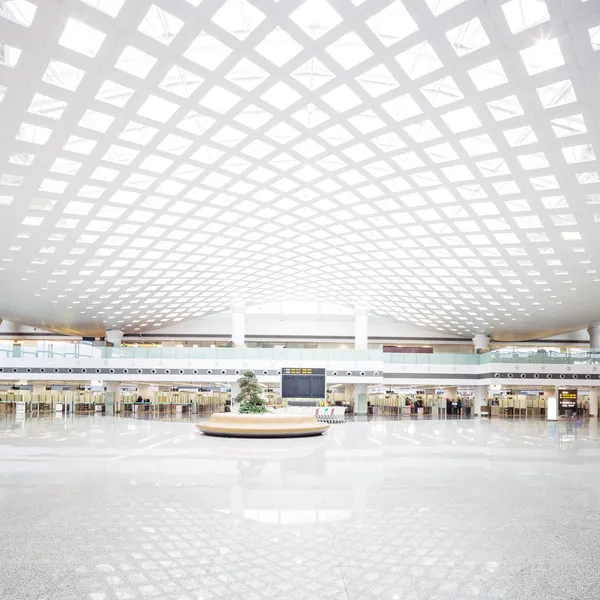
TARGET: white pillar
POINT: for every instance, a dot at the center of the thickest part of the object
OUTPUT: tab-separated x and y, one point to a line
552	405
594	333
39	389
143	390
450	393
361	328
235	390
114	336
594	397
238	324
348	393
113	396
360	399
481	342
480	398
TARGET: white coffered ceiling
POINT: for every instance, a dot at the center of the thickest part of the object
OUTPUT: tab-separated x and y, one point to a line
431	159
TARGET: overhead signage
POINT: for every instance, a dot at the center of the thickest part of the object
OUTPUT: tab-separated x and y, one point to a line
567	401
302	382
302	371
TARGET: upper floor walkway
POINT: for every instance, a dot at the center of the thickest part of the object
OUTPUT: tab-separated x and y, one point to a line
10	353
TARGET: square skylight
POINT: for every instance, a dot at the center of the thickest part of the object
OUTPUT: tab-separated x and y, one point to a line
33	133
160	25
349	50
392	24
419	60
579	153
462	119
63	75
489	75
441	92
520	136
81	38
180	81
278	46
9	55
280	96
135	62
219	99
110	7
315	17
114	93
341	98
438	7
523	14
157	109
557	94
542	56
478	145
505	108
468	37
568	126
18	11
238	17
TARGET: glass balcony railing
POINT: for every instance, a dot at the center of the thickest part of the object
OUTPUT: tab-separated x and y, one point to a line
441	358
85	351
82	351
589	356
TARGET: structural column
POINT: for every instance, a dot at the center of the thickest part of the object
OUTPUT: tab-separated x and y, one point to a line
238	324
481	342
360	399
143	390
361	328
114	336
594	399
113	396
39	389
450	393
594	333
480	398
235	390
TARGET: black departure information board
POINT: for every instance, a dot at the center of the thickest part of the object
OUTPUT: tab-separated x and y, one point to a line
302	382
567	401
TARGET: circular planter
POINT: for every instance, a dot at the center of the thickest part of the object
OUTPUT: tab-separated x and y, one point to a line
267	425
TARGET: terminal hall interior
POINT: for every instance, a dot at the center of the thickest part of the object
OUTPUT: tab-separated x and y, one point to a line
299	299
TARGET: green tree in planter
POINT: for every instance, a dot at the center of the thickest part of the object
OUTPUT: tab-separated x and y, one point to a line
250	395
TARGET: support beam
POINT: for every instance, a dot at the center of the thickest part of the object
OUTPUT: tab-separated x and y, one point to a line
481	342
39	389
238	324
594	399
594	333
361	328
480	399
360	399
114	336
143	390
113	397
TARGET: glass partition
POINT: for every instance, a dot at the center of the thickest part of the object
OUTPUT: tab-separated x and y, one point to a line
81	350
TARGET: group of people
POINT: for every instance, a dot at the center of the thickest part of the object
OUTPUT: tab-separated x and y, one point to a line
454	407
414	404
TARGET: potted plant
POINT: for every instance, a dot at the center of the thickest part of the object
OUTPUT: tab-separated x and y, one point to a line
250	398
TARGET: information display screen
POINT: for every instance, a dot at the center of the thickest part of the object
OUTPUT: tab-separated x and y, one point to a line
567	401
302	382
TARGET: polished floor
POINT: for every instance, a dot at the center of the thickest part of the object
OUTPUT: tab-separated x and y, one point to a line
105	508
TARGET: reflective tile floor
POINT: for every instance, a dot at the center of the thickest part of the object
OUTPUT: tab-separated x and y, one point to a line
105	508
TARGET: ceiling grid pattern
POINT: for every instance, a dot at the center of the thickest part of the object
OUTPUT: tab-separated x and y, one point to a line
432	159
